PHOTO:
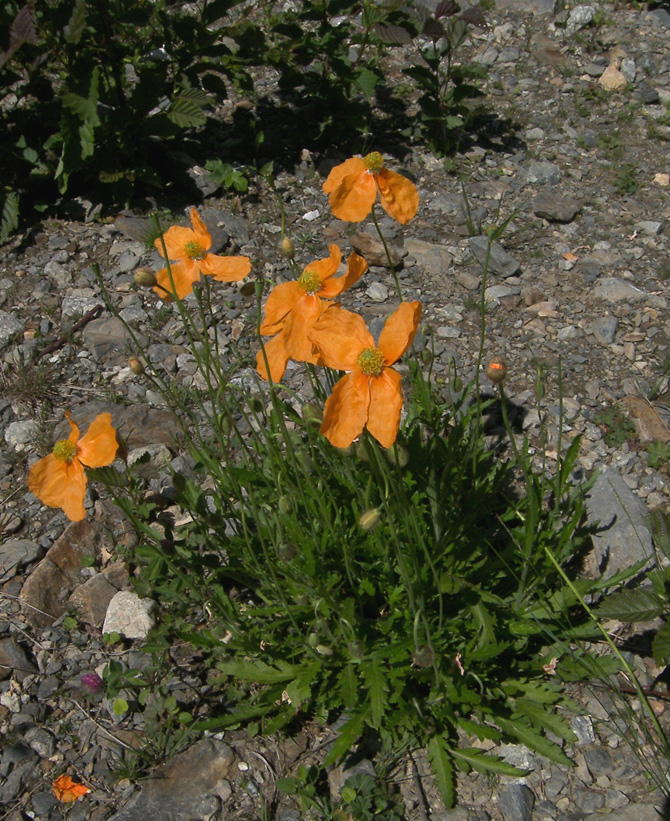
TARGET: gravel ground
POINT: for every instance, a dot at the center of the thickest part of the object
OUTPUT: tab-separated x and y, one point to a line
580	277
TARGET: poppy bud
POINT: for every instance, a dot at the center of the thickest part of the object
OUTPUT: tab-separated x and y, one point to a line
313	639
136	366
361	450
286	551
457	384
323	650
496	370
145	278
255	405
397	455
356	650
423	656
225	422
288	248
285	504
312	414
427	357
247	288
370	519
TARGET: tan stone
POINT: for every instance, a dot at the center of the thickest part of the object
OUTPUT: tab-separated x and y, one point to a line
612	79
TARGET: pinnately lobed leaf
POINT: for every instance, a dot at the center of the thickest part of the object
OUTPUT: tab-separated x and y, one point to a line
632	606
443	769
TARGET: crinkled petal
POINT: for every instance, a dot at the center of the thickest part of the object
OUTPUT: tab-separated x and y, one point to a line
202	235
225	269
355	166
98	446
356	267
276	356
184	274
175	241
340	336
346	409
74	428
385	407
399	196
296	327
283	298
325	268
353	199
399	330
59	484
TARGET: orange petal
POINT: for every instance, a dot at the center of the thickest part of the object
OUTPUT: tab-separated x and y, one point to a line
276	356
356	267
74	428
399	196
353	200
175	241
385	407
225	269
325	268
340	336
59	484
184	274
98	446
67	790
202	235
296	327
398	331
346	410
353	166
282	299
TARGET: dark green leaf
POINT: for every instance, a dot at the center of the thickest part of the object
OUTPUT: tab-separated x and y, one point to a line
534	741
660	646
442	767
476	760
632	605
75	27
9	221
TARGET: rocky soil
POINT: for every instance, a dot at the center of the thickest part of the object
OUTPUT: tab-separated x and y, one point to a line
577	297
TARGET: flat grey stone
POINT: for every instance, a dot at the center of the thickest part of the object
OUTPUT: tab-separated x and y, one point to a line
17	553
543	173
623	538
614	289
499	261
579	17
377	291
651	228
631	812
550	206
429	255
516	803
22	435
9	325
604	329
599	761
129	615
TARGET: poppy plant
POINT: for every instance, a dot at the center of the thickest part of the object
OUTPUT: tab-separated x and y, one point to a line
293	307
59	480
190	248
369	395
353	185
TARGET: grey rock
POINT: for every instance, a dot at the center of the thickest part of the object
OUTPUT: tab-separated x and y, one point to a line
377	291
647	94
582	727
16	782
628	69
599	761
77	304
429	255
632	812
178	789
499	261
659	17
129	615
543	172
529	6
516	802
613	289
500	292
604	329
579	17
651	228
623	537
15	554
92	599
588	801
338	776
594	69
9	325
509	55
13	660
22	435
43	803
41	741
615	799
551	207
128	261
590	270
106	335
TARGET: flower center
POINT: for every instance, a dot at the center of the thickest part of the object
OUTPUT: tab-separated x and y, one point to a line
194	250
309	282
371	361
65	450
374	162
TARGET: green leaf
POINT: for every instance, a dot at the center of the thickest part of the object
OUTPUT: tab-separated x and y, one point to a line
442	768
108	476
256	671
482	731
365	81
120	706
660	646
186	113
534	741
476	760
347	737
77	23
377	689
545	718
632	605
349	685
9	221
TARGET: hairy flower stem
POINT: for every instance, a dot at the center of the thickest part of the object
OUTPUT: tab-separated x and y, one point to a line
388	254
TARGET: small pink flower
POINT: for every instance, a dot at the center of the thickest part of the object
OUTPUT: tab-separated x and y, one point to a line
92	682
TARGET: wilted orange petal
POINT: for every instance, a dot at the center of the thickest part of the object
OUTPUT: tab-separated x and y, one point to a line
184	274
340	336
282	299
202	235
352	201
175	241
325	268
399	196
67	790
356	267
98	446
385	406
296	327
399	330
59	484
225	269
276	356
346	410
355	165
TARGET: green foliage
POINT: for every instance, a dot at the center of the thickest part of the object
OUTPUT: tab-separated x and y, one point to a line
658	454
616	426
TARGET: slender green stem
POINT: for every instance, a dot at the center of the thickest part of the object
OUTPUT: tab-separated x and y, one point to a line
388	254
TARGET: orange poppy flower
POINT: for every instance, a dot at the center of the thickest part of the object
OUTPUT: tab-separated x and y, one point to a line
353	185
59	480
369	396
67	789
293	307
190	247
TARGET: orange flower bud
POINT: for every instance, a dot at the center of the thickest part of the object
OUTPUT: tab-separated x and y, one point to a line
496	370
288	248
145	278
136	366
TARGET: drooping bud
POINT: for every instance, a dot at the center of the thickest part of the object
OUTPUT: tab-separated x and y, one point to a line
288	248
136	366
247	287
145	278
312	414
286	551
255	405
427	357
323	650
423	656
370	519
496	370
285	504
397	454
